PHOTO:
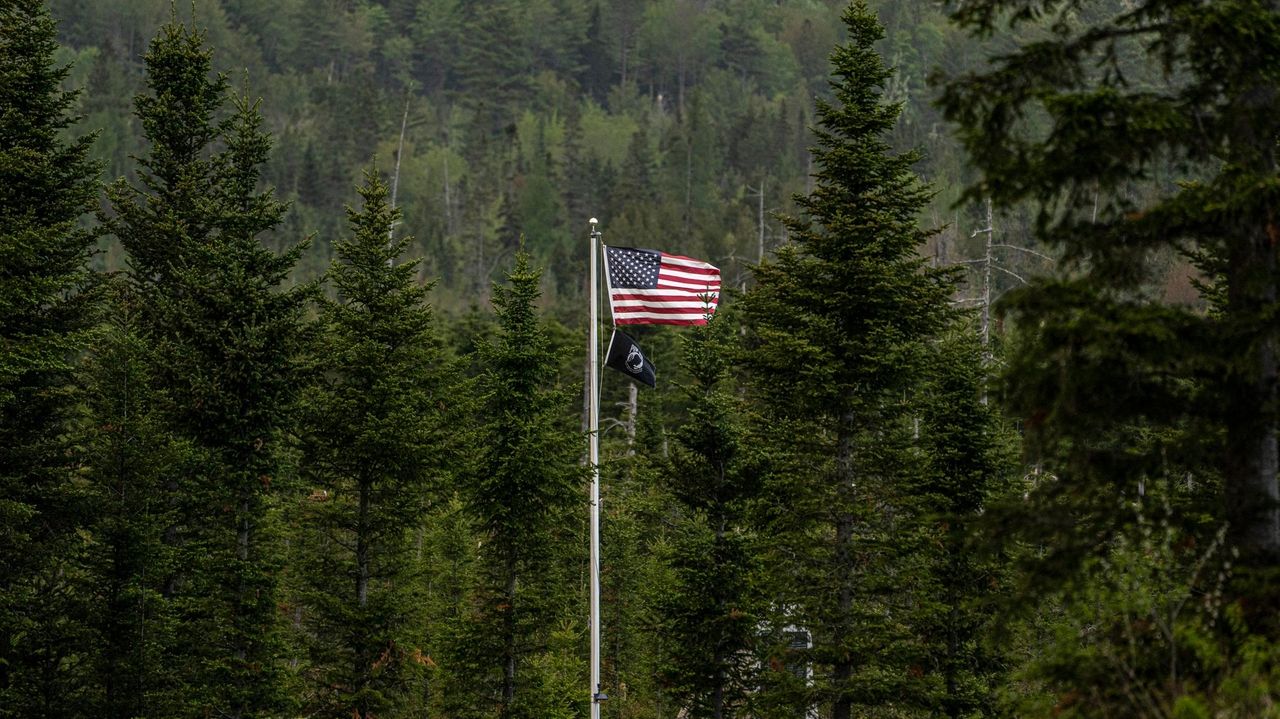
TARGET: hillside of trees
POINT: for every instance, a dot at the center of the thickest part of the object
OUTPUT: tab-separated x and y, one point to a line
293	316
674	119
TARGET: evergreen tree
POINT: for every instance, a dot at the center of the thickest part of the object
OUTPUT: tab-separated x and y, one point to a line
126	456
496	68
710	615
226	340
525	482
836	329
1155	390
1127	397
970	464
49	182
374	452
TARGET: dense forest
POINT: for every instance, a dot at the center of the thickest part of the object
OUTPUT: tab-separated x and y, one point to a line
293	352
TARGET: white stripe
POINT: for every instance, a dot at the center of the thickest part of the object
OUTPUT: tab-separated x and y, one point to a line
671	260
706	287
661	291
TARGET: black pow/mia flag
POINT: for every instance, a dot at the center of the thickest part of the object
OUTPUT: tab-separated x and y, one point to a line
625	356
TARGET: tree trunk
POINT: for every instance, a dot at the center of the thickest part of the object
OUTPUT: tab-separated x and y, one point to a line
1252	458
842	669
362	548
509	631
1251	491
632	410
718	658
242	556
363	665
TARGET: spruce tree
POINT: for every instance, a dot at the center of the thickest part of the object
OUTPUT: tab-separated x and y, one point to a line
374	449
525	482
226	339
126	455
710	616
970	467
48	182
836	328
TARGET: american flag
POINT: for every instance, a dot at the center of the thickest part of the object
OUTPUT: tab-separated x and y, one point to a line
648	287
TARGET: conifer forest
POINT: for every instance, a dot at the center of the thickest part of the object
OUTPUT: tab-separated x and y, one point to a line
297	415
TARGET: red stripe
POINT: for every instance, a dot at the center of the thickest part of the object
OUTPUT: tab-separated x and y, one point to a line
665	297
619	311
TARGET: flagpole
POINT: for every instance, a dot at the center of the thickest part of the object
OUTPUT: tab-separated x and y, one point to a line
593	377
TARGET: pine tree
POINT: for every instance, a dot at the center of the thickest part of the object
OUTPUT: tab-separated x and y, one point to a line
525	482
226	340
374	453
710	615
836	328
49	182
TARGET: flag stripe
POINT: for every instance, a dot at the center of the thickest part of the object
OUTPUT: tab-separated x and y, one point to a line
662	320
689	288
662	295
690	270
668	273
621	305
658	308
689	262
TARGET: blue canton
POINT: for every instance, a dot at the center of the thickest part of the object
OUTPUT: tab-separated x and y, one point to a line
633	269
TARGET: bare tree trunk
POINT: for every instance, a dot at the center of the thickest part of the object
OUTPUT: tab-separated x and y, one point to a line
632	410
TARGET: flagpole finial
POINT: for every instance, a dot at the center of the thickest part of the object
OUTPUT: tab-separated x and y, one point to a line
593	221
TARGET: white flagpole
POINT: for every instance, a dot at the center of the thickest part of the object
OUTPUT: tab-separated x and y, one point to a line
594	435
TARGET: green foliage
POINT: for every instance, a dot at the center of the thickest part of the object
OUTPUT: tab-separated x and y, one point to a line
1149	633
374	454
45	309
837	328
132	629
971	463
1063	123
1139	131
829	470
225	344
525	479
711	613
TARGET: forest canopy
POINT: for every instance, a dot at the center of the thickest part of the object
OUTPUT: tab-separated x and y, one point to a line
979	418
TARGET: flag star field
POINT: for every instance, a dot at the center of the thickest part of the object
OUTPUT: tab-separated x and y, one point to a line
633	268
